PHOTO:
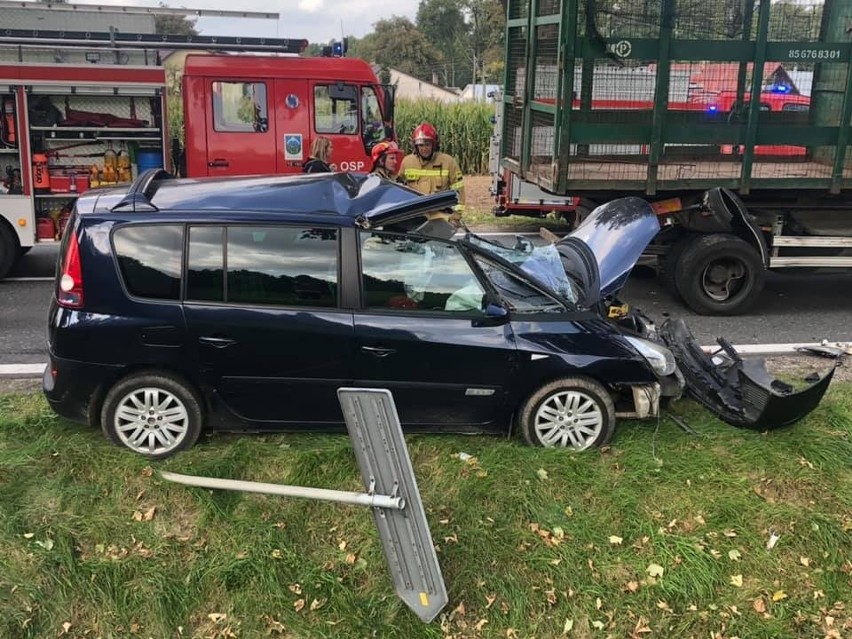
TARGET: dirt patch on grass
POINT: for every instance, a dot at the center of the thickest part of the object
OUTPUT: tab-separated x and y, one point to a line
477	193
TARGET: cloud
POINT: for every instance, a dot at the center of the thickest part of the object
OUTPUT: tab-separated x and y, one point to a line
311	6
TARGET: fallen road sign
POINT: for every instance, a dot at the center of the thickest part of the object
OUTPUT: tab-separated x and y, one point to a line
386	469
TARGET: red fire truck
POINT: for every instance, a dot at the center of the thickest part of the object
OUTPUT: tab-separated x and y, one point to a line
99	117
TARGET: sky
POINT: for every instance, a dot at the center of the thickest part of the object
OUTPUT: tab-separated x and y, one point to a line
316	20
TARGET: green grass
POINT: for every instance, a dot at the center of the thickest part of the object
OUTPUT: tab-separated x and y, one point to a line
522	555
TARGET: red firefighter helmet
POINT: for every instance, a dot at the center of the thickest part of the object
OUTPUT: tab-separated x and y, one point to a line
425	132
388	146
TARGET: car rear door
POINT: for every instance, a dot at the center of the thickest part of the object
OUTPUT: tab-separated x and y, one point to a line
262	314
422	332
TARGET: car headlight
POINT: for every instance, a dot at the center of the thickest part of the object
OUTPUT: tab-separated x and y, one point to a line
659	358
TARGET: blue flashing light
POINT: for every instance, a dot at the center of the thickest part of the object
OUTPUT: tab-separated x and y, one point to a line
779	88
337	49
712	108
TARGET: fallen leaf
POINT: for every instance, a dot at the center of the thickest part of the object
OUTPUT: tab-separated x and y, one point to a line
568	626
299	604
734	555
699	519
598	624
276	554
149	514
730	533
655	570
316	604
29	535
216	617
759	605
662	605
805	561
778	595
490	599
137	515
598	603
459	611
350	558
737	580
342	545
480	624
542	474
47	544
615	540
66	627
296	589
632	586
147	471
558	532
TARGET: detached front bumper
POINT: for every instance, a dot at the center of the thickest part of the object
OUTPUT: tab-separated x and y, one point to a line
740	392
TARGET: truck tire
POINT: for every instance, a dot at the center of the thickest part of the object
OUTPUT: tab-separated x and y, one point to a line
9	249
671	264
719	274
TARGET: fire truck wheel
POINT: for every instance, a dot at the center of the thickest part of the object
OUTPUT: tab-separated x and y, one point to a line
153	414
8	249
719	274
575	412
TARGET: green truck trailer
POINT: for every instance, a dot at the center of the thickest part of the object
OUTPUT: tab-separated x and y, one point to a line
605	98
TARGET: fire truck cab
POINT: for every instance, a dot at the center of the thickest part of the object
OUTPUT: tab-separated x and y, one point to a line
250	114
97	115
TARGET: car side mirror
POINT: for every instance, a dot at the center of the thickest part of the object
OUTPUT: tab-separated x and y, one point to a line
495	315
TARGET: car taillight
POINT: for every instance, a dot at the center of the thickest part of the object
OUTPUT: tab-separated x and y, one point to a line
70	293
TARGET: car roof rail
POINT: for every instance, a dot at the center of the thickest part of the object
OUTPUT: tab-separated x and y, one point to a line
139	194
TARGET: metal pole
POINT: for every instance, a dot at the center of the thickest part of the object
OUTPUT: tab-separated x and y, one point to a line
338	496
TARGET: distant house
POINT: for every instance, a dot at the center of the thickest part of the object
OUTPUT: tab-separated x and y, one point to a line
475	92
411	88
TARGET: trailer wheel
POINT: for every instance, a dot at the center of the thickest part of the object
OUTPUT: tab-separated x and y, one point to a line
671	264
9	249
719	274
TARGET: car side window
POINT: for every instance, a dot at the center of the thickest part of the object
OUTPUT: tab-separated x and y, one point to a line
417	275
281	265
149	258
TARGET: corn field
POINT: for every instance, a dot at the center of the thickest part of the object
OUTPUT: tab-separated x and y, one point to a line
464	129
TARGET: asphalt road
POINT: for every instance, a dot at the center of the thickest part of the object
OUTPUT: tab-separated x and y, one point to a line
793	308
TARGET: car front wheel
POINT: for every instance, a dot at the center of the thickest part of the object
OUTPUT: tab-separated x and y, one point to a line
152	414
573	413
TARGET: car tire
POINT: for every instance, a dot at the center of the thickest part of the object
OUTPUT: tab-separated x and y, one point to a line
719	274
9	248
573	412
152	414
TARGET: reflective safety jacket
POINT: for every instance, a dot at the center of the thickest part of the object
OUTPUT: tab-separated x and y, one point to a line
441	173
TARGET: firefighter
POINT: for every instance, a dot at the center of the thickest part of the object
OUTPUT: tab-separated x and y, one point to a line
430	171
386	160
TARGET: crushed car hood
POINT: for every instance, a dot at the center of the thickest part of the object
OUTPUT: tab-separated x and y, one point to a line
739	391
603	250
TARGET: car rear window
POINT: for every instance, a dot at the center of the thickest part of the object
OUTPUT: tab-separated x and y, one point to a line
149	258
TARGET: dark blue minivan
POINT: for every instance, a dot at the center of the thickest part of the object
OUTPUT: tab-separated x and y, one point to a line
243	304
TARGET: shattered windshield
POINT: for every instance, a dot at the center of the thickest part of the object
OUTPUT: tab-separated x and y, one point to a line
541	262
518	295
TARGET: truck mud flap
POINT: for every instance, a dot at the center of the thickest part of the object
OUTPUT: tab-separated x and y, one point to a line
740	392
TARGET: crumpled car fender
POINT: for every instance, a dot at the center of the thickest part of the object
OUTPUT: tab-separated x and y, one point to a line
739	391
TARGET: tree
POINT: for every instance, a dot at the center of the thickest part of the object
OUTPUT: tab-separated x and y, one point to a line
397	43
443	23
172	24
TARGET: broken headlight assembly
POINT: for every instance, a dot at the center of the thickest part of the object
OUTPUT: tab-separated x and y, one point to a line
659	358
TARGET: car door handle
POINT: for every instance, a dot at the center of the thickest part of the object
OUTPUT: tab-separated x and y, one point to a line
219	162
217	342
378	351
